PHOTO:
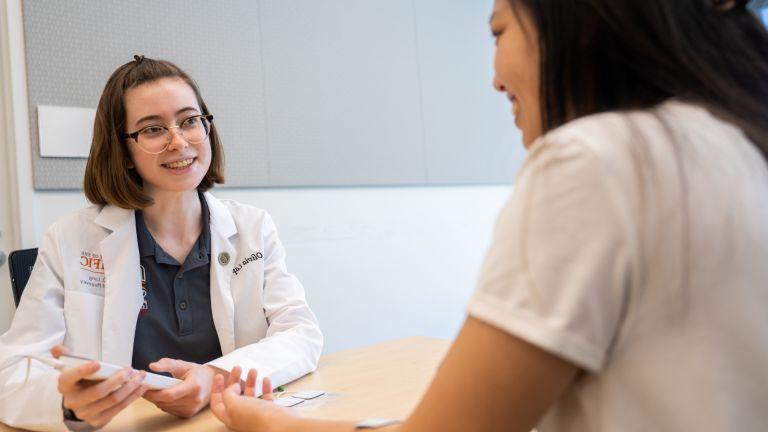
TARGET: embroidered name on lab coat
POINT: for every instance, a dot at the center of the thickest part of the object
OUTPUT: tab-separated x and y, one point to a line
247	260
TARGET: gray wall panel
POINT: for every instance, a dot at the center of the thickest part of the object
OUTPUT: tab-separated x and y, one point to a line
305	93
72	47
342	92
469	129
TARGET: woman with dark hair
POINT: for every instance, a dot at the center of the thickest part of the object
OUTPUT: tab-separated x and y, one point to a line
157	275
625	288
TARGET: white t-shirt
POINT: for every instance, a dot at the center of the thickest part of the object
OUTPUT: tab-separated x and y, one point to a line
635	245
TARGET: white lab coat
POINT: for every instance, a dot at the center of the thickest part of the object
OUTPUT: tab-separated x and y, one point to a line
85	292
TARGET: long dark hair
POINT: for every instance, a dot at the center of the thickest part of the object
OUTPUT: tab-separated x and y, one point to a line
605	55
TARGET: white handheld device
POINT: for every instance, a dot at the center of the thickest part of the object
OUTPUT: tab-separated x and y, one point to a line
154	381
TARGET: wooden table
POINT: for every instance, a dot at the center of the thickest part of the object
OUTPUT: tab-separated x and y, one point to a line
384	380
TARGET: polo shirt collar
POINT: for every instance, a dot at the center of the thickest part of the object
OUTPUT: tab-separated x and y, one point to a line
149	247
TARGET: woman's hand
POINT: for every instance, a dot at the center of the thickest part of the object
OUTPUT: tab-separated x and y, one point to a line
97	402
185	399
247	413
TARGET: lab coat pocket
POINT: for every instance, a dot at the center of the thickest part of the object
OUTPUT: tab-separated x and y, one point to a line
83	317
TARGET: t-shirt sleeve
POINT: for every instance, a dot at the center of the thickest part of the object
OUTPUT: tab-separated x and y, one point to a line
558	269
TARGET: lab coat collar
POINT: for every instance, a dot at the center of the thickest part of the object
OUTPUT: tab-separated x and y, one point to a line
113	217
223	254
221	218
122	287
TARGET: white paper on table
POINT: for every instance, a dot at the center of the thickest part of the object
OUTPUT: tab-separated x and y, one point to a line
65	131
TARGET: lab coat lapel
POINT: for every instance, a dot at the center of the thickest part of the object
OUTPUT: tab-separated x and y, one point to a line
223	254
122	292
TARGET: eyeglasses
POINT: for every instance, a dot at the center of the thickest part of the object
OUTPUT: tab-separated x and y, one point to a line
155	139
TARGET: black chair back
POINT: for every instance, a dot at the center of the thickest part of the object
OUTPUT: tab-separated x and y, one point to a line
21	263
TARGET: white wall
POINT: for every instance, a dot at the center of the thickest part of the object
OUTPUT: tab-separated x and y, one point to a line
377	263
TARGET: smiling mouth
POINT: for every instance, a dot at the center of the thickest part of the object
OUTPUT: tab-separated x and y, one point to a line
515	104
179	164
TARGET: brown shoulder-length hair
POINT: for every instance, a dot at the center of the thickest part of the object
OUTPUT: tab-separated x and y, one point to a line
108	176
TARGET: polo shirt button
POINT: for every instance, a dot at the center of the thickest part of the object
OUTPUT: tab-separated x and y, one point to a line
183	305
181	276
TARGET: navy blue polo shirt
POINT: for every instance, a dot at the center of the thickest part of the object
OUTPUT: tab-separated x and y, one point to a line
175	320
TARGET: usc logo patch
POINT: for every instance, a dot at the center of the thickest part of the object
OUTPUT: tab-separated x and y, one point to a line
91	262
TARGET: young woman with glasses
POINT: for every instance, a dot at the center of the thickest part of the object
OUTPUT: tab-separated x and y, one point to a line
626	288
157	274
